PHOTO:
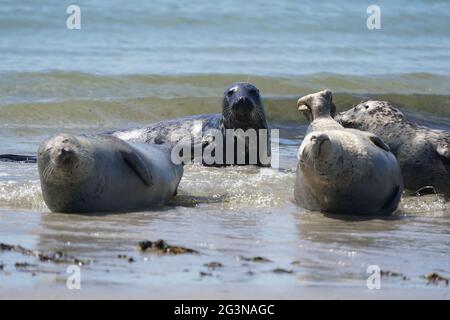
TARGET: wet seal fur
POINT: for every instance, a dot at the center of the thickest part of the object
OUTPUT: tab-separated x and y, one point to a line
242	108
343	171
99	173
422	152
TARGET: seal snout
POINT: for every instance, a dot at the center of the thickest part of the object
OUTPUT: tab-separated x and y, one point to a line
319	143
315	105
65	155
64	151
243	103
320	140
302	105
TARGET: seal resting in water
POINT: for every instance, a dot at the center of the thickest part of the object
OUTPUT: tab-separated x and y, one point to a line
218	137
103	173
423	153
242	113
343	171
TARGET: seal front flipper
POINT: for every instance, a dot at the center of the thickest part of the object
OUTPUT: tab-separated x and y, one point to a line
376	140
133	159
392	203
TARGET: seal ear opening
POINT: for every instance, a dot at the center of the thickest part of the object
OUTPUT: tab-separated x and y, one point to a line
134	161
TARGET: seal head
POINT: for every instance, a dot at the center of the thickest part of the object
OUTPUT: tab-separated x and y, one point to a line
63	158
317	105
101	173
319	153
377	111
239	135
242	107
422	152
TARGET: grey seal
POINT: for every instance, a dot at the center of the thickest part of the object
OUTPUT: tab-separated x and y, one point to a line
422	152
102	173
343	171
242	112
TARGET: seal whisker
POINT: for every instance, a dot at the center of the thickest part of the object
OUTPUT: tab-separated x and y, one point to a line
48	171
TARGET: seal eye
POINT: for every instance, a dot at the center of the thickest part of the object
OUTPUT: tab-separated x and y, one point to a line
254	91
230	92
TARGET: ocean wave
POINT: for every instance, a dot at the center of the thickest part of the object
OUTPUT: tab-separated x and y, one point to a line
25	195
58	86
65	99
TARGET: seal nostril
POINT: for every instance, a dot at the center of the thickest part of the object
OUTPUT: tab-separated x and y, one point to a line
243	103
65	153
65	150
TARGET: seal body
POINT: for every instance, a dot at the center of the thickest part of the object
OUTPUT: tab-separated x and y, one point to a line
344	171
423	153
243	118
103	173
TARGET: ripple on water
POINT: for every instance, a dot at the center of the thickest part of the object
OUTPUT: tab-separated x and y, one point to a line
25	195
428	205
238	187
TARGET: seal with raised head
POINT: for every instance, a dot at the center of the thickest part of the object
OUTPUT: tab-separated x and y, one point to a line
88	174
242	118
238	136
343	171
422	152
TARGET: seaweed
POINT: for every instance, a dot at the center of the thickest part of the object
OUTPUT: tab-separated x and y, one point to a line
125	257
162	247
55	257
388	273
213	265
282	271
435	278
254	259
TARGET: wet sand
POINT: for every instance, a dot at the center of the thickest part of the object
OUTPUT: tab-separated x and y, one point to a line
259	252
